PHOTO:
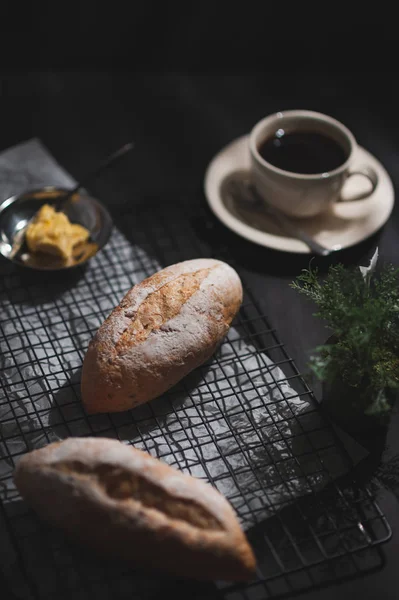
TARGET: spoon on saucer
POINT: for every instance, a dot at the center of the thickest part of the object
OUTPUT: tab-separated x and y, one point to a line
244	193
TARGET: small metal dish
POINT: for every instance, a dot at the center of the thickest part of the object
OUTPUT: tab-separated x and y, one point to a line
16	211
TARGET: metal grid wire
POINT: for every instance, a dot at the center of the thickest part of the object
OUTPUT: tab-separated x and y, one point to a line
307	525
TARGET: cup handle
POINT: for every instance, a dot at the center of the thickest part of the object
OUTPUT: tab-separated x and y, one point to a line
370	174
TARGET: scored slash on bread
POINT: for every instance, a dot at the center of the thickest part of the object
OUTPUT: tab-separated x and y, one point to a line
164	327
123	502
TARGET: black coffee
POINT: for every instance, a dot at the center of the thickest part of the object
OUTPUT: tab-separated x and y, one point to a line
305	152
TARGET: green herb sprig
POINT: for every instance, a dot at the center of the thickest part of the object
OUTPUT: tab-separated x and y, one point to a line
361	309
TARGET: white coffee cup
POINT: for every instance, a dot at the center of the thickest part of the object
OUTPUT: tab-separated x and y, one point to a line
304	195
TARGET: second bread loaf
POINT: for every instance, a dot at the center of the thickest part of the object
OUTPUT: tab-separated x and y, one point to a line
122	502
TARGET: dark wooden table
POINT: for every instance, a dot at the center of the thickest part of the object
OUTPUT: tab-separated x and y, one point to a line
179	122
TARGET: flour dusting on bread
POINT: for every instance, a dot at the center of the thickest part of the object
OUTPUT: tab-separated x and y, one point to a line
163	328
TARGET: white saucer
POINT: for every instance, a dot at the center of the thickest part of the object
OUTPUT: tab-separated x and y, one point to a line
346	224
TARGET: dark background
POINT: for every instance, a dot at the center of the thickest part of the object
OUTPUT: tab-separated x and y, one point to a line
184	83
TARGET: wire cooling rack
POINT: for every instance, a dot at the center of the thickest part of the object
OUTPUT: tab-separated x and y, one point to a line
246	422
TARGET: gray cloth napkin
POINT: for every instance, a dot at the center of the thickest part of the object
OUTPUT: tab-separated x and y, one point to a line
27	166
236	422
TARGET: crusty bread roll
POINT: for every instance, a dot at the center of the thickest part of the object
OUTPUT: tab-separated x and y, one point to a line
163	328
125	503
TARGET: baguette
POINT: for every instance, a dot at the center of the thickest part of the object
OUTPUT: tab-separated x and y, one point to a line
122	502
163	328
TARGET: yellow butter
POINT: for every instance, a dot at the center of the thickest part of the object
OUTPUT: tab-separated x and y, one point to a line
52	232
